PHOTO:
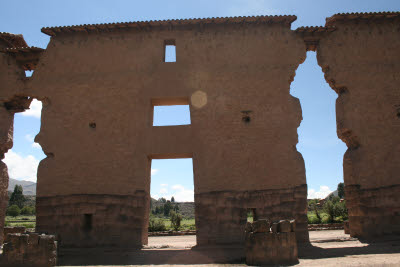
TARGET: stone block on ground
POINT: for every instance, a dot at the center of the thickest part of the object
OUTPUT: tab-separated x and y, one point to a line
30	250
261	226
278	247
270	248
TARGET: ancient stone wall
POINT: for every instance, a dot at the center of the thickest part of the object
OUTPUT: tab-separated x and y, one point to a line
361	61
11	85
94	220
30	250
100	87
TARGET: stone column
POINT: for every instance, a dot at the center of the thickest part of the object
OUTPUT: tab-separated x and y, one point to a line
360	60
6	135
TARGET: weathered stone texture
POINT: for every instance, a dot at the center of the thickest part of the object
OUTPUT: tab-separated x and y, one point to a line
30	250
12	230
94	220
361	61
113	79
276	247
221	216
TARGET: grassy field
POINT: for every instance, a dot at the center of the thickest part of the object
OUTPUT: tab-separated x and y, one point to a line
22	220
186	224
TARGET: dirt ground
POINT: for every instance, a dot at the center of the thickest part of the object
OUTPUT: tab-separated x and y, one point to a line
328	248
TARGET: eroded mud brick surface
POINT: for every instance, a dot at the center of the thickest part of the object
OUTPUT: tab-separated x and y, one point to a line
361	63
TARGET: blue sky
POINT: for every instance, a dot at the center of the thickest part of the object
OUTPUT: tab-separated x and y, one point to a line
318	142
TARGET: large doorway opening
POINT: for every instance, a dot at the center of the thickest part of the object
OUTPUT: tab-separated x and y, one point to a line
172	206
322	150
22	162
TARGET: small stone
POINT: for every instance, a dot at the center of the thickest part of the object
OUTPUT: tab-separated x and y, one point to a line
261	226
284	226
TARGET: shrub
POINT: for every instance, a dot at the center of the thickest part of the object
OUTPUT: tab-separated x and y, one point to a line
330	211
312	219
176	219
27	210
156	225
13	211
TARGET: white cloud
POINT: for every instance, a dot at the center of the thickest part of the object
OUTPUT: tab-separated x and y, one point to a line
323	192
154	171
179	192
35	109
163	190
21	168
36	145
31	138
182	194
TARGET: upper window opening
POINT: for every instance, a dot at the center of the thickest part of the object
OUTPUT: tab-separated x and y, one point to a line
169	51
171	111
171	115
28	73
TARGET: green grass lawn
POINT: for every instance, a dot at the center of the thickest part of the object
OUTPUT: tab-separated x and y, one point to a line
22	220
186	224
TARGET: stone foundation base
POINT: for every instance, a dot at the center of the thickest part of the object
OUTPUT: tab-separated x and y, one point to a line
271	244
221	216
373	213
95	220
30	250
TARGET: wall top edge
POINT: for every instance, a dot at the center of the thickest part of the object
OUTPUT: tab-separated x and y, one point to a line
107	27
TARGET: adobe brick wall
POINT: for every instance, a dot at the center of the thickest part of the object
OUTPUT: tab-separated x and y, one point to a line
116	220
221	216
111	79
360	60
10	84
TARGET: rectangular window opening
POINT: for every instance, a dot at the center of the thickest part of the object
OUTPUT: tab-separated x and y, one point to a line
171	112
169	51
87	222
28	73
251	215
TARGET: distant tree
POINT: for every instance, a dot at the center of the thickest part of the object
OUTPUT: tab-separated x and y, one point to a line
172	199
162	200
167	208
17	197
176	219
340	190
13	211
176	207
319	219
27	210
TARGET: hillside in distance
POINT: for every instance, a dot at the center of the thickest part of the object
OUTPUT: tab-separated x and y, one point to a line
185	208
28	187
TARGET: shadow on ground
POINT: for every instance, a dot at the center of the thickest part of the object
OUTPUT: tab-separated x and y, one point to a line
74	257
314	252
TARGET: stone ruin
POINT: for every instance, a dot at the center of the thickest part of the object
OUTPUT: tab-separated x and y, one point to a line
14	230
271	243
99	84
29	250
